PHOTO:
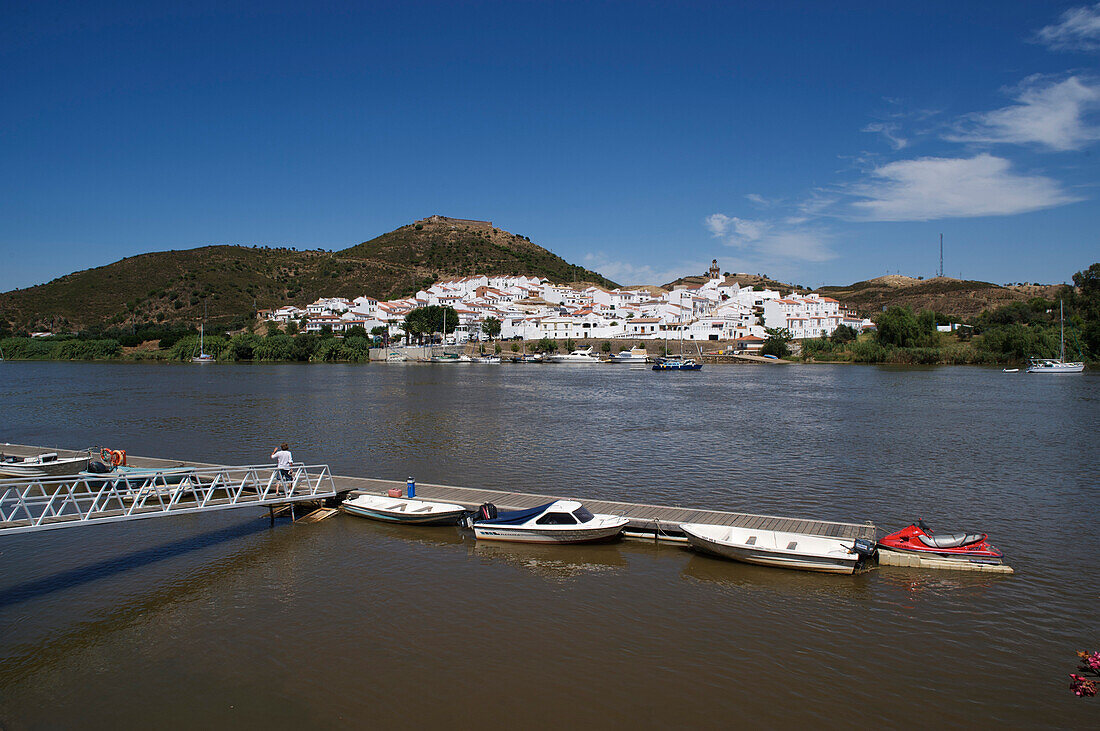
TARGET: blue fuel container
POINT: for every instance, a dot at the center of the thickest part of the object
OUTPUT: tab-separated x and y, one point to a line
410	488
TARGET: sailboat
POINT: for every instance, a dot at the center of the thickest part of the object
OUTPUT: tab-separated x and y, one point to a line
203	356
1057	365
676	362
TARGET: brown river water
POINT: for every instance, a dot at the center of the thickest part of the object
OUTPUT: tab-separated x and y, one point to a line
220	619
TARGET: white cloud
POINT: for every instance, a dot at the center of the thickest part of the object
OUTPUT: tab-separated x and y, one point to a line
1050	113
1077	30
890	132
770	245
627	273
931	188
758	200
741	229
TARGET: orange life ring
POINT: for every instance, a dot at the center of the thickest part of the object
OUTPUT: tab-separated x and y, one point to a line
113	457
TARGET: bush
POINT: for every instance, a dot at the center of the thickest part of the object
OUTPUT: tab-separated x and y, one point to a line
275	347
546	345
243	346
868	351
817	348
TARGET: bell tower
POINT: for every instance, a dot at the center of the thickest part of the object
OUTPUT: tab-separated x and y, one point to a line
715	273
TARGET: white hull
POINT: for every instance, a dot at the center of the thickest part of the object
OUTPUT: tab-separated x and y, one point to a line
1056	367
32	468
572	359
403	510
520	534
772	548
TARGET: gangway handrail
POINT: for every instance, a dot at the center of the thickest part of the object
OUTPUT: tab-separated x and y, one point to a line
45	503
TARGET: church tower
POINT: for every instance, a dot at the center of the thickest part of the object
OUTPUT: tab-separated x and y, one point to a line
715	273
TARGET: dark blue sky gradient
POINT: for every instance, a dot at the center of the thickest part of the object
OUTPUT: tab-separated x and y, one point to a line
607	132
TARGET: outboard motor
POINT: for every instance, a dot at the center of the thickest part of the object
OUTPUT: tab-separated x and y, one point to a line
485	511
865	548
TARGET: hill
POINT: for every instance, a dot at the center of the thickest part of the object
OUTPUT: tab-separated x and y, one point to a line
961	297
231	281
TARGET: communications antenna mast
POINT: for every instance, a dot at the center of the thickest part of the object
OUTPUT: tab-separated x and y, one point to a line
941	255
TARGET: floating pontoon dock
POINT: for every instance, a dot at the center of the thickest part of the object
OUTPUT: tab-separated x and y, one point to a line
650	522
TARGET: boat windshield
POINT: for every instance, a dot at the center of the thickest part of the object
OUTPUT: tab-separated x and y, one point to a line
583	515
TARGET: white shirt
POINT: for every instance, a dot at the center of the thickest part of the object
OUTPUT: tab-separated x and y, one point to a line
283	458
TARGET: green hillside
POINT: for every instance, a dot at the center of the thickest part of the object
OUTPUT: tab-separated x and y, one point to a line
231	281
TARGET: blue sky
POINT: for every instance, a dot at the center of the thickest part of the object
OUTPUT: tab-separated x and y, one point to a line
816	142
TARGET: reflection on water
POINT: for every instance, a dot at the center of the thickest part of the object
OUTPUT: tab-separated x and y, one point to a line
552	562
213	619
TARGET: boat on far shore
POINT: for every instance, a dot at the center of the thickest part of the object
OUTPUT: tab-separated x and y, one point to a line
634	355
1059	364
584	355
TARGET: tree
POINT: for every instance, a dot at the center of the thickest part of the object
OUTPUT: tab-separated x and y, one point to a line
898	326
776	342
357	331
491	327
606	347
272	328
291	328
381	331
843	334
570	345
546	345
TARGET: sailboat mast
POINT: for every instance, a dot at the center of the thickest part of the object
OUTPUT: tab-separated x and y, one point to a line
1062	319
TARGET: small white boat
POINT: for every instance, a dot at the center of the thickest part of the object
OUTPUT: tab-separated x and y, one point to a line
577	356
403	510
775	548
486	359
203	356
562	521
634	355
1010	370
394	357
451	358
42	465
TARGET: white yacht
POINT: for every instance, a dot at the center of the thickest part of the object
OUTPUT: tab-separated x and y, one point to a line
634	355
577	356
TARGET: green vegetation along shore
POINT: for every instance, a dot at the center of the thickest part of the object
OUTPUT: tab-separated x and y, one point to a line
1006	335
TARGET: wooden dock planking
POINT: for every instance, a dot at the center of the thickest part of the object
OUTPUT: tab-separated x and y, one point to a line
642	515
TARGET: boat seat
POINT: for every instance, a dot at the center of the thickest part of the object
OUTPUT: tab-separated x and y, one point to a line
950	540
424	509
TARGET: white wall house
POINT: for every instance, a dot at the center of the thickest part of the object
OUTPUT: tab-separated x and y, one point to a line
811	316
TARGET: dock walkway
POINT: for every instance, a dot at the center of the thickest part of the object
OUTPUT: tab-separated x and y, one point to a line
652	521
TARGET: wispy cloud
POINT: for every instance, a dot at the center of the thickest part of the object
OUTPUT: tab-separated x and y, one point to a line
771	245
1077	30
734	228
627	273
890	132
1049	112
759	200
931	188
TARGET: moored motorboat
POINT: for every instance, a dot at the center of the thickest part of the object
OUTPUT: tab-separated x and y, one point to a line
777	548
1010	370
634	355
963	546
486	359
403	510
49	464
584	355
561	521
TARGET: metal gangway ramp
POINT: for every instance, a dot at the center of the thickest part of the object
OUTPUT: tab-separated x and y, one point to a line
47	503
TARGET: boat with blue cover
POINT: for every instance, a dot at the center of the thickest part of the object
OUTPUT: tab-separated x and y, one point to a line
676	363
561	521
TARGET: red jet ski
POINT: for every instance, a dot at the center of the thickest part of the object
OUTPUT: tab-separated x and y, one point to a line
920	539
